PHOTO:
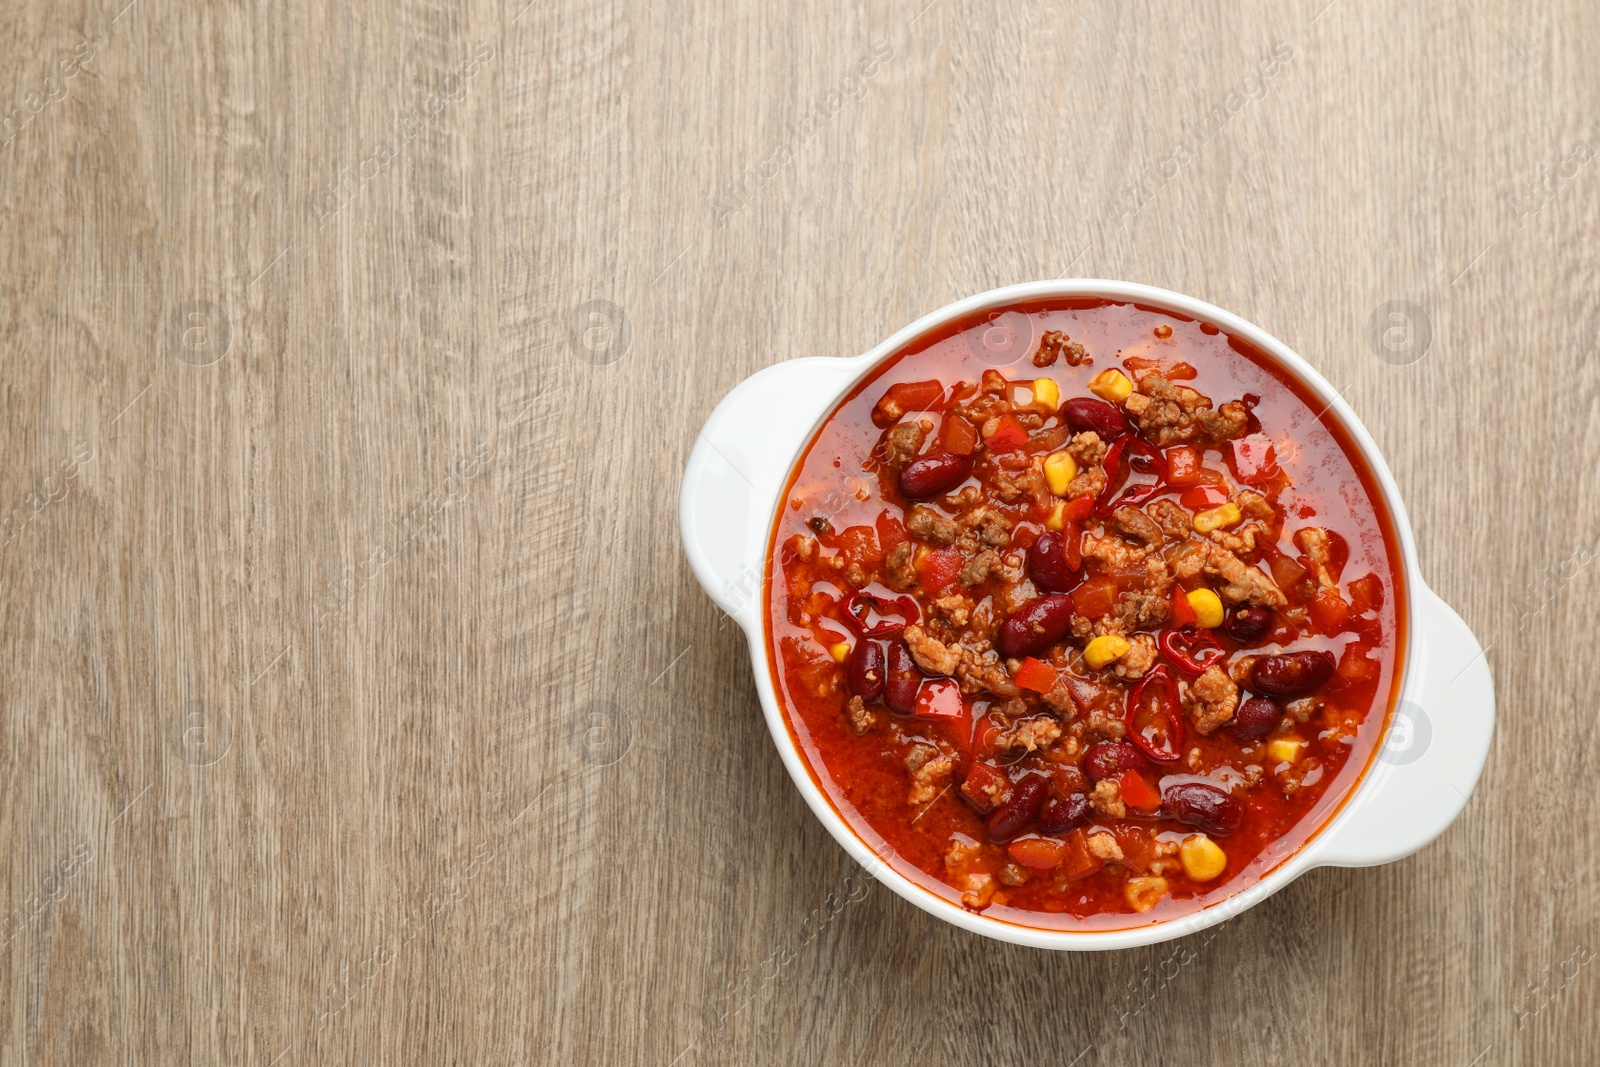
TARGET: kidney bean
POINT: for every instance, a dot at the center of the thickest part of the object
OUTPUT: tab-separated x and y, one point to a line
935	473
1204	807
1086	413
1248	625
1035	626
1047	563
1255	719
1060	815
1107	759
1013	817
902	679
1291	674
865	670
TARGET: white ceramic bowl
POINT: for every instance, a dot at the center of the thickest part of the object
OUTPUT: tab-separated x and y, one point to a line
1438	735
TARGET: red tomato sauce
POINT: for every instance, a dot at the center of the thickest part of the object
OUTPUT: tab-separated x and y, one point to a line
853	559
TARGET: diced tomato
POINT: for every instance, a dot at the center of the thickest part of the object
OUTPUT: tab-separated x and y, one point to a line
1077	509
1203	496
1036	675
859	544
1095	597
1008	434
1366	594
1078	861
985	788
1285	571
1038	853
891	531
1137	792
958	436
1138	849
1355	665
983	737
1253	459
939	698
1182	611
1329	611
939	568
1186	467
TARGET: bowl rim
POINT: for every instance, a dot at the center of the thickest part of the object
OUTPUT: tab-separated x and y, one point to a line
1367	784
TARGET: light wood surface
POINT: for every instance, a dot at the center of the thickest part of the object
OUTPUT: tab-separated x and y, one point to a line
358	705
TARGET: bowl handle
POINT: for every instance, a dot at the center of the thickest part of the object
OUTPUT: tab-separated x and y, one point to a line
737	470
1434	751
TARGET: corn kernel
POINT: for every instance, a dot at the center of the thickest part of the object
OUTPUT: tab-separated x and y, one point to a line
1284	749
1107	648
1059	470
1046	393
1057	520
839	652
1142	894
1218	517
1111	385
1202	858
1207	608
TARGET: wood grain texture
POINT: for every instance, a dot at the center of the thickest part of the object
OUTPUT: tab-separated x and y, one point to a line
358	704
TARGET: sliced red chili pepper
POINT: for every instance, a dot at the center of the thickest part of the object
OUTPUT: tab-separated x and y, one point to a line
1077	509
1191	648
1114	496
1182	612
1155	717
860	606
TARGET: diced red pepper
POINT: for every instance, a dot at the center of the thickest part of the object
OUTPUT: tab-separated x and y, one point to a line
1138	848
1077	509
1181	612
1203	496
1186	467
859	544
1355	665
985	788
1008	434
984	733
1137	792
939	568
1036	675
891	531
1024	534
1253	459
1038	853
1366	594
958	436
1154	719
1095	597
902	397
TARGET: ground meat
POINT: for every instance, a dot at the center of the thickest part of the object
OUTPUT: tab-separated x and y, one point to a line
1252	505
931	654
1314	542
1113	552
902	575
928	525
1139	658
1245	584
1302	709
954	609
804	547
994	382
856	576
1087	449
1138	525
931	779
1013	487
1107	800
1239	670
1137	611
1091	481
1059	700
1241	542
982	673
1104	847
861	717
978	567
993	528
1175	522
903	442
1169	414
1056	345
1029	735
1212	700
1101	725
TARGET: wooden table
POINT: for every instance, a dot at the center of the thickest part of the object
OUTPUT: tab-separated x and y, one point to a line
359	705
